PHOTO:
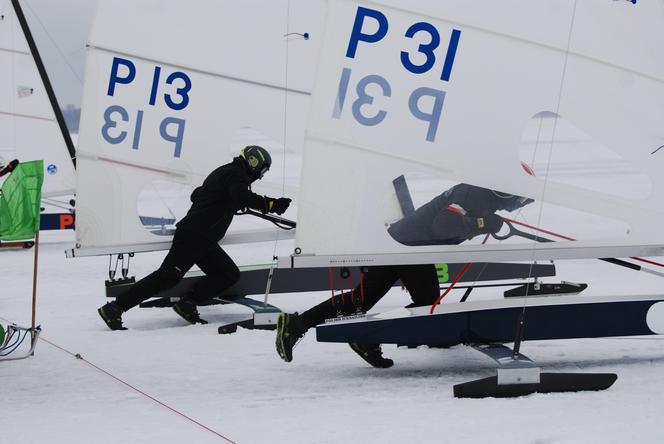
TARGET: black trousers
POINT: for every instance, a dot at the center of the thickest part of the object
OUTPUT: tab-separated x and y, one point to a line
188	248
421	281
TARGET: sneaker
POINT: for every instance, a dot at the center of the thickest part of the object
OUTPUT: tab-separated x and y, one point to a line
111	313
289	331
186	308
373	354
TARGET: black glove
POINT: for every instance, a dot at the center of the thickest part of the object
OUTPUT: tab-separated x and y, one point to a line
489	223
278	206
9	168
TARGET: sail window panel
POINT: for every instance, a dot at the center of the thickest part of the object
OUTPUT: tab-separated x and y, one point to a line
161	204
560	152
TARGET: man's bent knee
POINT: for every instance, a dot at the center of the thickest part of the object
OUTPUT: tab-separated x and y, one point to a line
169	276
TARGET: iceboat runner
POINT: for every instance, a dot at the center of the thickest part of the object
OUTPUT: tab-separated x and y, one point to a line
197	112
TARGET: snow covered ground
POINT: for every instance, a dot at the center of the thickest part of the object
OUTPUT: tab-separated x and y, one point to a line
237	385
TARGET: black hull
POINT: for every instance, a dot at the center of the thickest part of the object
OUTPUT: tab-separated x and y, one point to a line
294	280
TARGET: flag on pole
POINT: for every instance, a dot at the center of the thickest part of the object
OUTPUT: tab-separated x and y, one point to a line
20	199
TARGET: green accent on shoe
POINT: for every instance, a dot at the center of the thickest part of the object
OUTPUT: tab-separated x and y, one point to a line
190	316
114	323
289	331
282	333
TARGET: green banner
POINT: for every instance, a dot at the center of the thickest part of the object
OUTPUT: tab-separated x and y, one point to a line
20	199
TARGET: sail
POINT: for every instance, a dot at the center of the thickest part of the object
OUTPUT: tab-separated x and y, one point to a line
174	89
556	103
28	126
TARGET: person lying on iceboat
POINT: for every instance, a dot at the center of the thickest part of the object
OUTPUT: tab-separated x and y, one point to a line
196	241
460	213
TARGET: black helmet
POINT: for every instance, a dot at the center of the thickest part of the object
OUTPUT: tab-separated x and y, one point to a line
258	160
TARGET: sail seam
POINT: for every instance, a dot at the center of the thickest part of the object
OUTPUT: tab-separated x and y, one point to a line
203	71
14	51
26	116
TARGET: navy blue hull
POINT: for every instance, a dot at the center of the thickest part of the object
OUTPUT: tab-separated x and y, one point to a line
562	321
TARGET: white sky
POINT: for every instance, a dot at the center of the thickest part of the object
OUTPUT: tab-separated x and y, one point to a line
60	28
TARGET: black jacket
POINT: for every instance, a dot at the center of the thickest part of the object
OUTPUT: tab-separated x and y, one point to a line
225	191
433	223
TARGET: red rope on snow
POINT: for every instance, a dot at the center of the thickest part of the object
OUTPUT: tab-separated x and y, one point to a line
137	390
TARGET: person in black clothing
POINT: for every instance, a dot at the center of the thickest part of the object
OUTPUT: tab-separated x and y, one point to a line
224	192
459	214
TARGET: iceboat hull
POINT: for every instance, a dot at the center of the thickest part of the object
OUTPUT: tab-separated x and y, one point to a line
555	317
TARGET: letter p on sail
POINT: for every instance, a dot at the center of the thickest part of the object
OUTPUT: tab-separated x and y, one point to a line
357	35
433	117
176	138
129	73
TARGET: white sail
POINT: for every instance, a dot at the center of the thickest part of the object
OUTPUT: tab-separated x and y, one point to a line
450	92
28	126
169	88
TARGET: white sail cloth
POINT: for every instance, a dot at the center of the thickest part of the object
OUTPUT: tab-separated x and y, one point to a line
445	89
28	127
168	85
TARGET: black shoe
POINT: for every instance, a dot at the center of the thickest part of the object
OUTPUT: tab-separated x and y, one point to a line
373	354
111	313
186	308
289	331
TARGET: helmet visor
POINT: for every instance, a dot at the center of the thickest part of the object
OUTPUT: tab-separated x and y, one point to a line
264	169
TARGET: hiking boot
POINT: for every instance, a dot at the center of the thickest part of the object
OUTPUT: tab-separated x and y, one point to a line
373	354
186	308
289	331
111	313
